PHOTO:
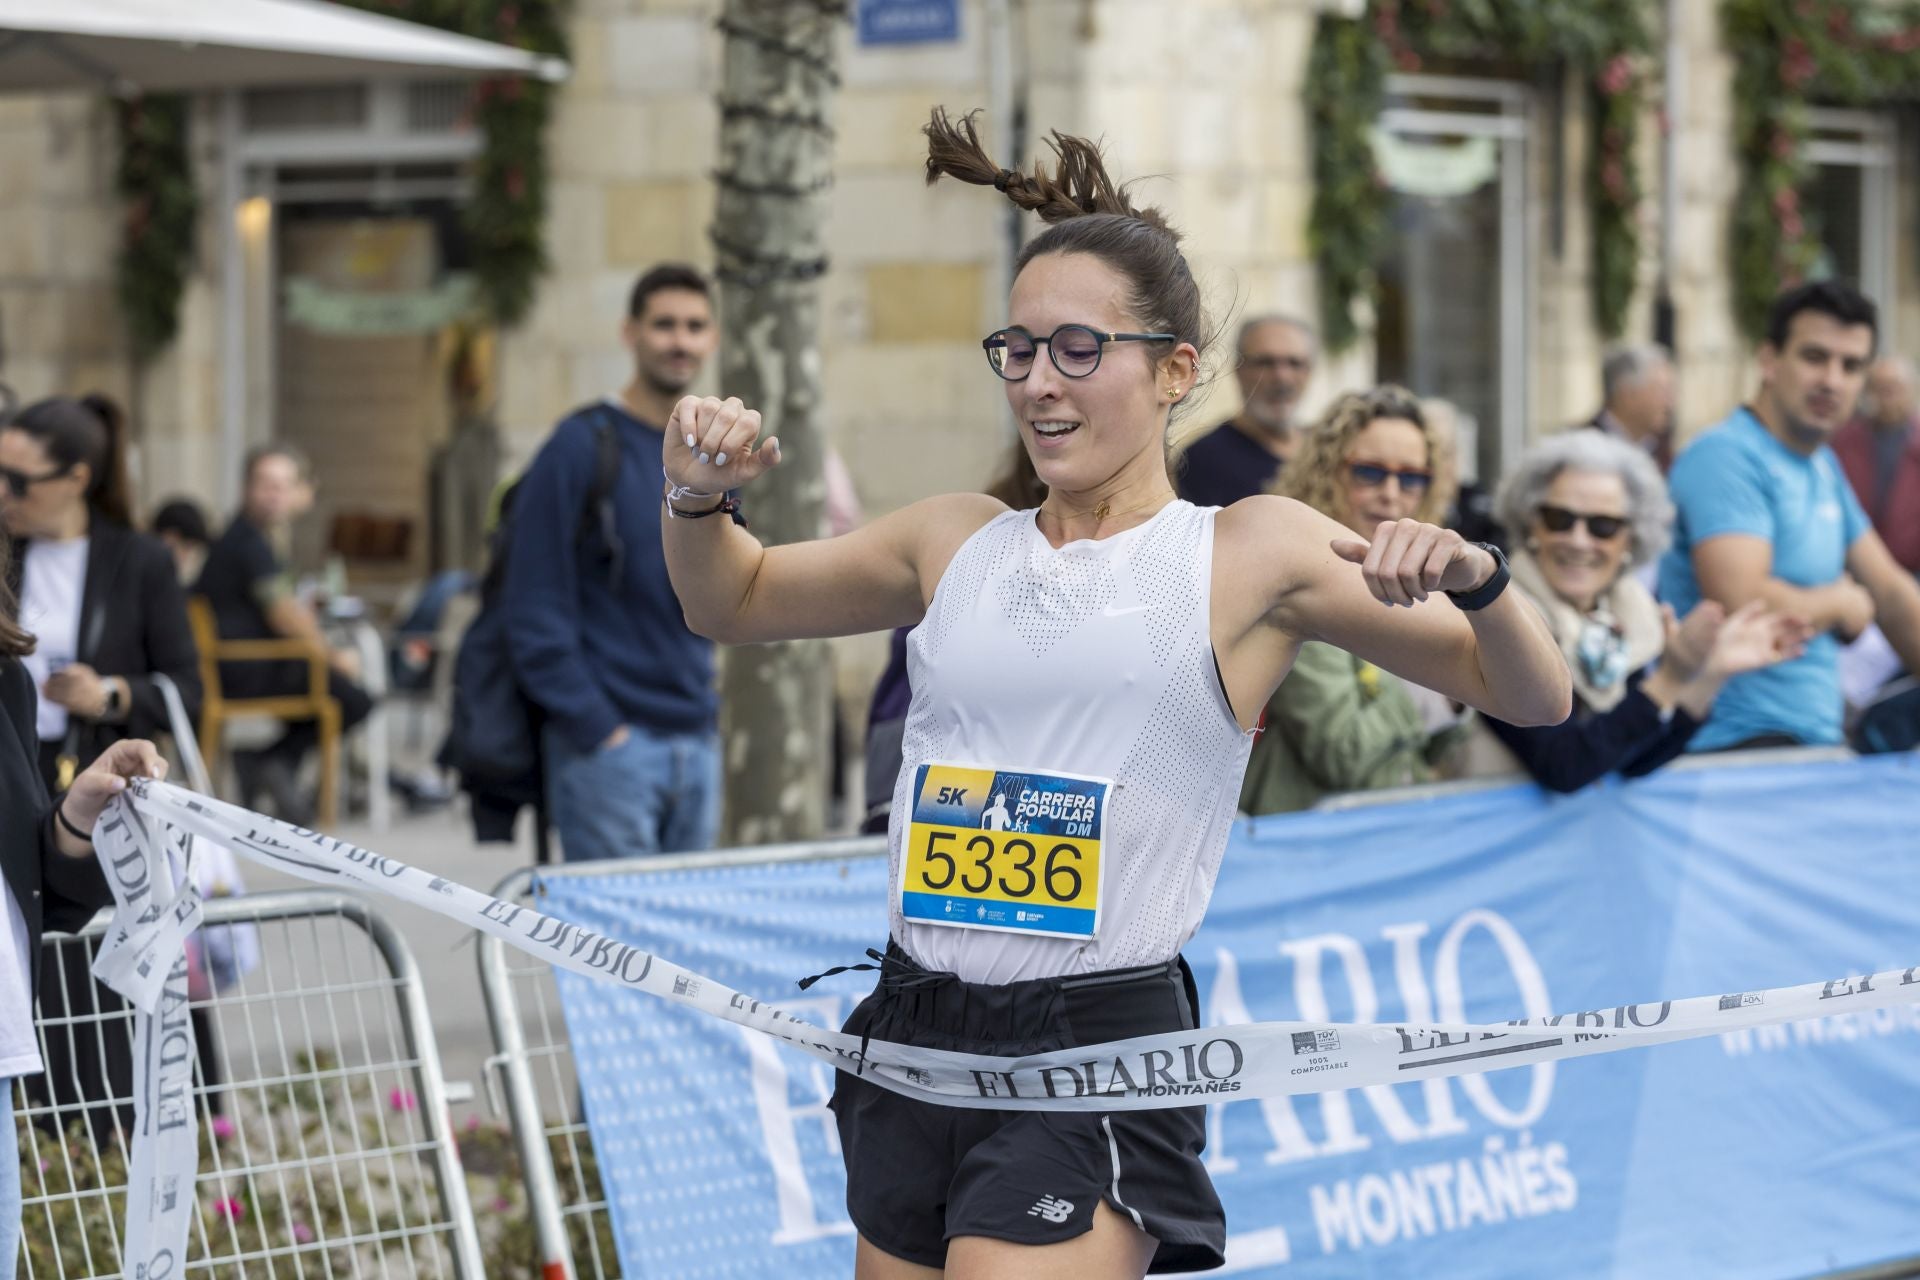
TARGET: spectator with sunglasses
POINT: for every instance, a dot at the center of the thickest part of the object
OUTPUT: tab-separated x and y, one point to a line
1337	722
1590	507
108	617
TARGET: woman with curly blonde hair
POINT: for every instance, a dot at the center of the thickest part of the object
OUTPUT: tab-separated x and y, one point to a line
1338	722
1319	473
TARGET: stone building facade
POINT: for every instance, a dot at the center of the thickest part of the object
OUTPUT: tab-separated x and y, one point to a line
1201	98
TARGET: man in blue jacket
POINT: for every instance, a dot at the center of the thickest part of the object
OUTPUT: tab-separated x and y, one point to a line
630	738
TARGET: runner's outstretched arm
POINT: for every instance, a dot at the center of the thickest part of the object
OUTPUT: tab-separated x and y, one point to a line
736	591
1383	600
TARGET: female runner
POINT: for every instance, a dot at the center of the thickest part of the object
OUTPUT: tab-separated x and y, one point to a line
1085	677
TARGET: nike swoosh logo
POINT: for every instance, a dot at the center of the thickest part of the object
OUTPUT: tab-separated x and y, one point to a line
1112	612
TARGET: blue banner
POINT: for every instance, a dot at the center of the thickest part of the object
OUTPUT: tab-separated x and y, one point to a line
907	21
1785	1151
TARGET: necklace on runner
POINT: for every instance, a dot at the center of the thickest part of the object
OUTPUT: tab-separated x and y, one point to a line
1101	512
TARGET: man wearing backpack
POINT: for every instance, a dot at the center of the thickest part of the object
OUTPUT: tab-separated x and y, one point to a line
597	640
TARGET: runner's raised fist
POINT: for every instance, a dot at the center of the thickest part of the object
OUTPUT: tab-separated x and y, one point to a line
1407	561
714	445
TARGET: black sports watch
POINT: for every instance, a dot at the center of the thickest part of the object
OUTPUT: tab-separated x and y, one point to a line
1489	591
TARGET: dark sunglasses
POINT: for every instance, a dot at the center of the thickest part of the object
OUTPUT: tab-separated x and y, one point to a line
1369	475
1561	520
18	482
1074	349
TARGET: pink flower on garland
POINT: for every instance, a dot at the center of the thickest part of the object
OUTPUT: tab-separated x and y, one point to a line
1616	75
1796	63
403	1100
1613	180
302	1233
224	1128
230	1209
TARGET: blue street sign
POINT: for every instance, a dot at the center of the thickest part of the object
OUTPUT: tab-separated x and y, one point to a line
908	21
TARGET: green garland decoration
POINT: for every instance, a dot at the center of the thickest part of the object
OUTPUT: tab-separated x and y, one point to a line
1789	54
1347	71
505	217
507	213
154	178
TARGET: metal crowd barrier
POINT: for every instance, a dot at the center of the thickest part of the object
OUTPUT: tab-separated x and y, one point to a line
326	1148
533	1060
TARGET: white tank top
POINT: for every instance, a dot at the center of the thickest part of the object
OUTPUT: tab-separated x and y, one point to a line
1094	659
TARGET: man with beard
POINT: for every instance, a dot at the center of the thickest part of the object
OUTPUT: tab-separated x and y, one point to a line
630	735
1765	513
1242	456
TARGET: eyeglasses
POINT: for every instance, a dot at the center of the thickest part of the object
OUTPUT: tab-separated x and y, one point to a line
1274	364
1074	349
18	482
1371	475
1561	520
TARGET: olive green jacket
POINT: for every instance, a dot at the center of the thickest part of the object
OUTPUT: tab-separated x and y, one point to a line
1337	723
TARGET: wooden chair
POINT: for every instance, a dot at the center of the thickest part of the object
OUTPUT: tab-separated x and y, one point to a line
216	709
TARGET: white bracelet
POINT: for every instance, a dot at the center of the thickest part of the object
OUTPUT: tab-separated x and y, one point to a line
675	492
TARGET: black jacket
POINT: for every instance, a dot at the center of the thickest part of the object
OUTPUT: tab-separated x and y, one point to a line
1631	740
133	622
53	890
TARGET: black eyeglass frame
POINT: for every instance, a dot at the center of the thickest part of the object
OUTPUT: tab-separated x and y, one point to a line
1100	336
17	483
1568	519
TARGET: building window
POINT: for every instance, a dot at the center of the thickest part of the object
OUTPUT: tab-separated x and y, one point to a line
1454	284
1849	202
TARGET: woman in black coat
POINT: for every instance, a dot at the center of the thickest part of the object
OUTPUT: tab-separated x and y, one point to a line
105	602
51	877
107	611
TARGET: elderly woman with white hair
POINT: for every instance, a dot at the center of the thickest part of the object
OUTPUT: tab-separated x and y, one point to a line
1585	509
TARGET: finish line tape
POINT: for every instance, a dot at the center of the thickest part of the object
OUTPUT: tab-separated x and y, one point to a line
154	824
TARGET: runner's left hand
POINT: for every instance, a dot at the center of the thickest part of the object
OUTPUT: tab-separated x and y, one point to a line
1407	561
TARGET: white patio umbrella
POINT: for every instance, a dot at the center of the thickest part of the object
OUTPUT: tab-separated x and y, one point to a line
126	46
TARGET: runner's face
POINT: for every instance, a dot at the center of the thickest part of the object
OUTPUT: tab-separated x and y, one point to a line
1114	417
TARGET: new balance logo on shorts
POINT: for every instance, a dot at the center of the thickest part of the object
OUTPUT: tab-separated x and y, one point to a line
1052	1208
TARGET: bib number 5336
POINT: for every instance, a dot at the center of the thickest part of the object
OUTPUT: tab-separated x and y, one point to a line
983	863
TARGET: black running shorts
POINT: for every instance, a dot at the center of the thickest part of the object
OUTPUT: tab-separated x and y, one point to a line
920	1174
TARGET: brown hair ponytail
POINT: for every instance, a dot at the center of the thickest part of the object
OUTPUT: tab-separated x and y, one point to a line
14	642
1078	186
1087	212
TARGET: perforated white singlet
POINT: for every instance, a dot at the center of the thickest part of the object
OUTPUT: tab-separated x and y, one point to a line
1092	659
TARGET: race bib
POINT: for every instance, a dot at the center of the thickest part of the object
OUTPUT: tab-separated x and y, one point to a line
1019	851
